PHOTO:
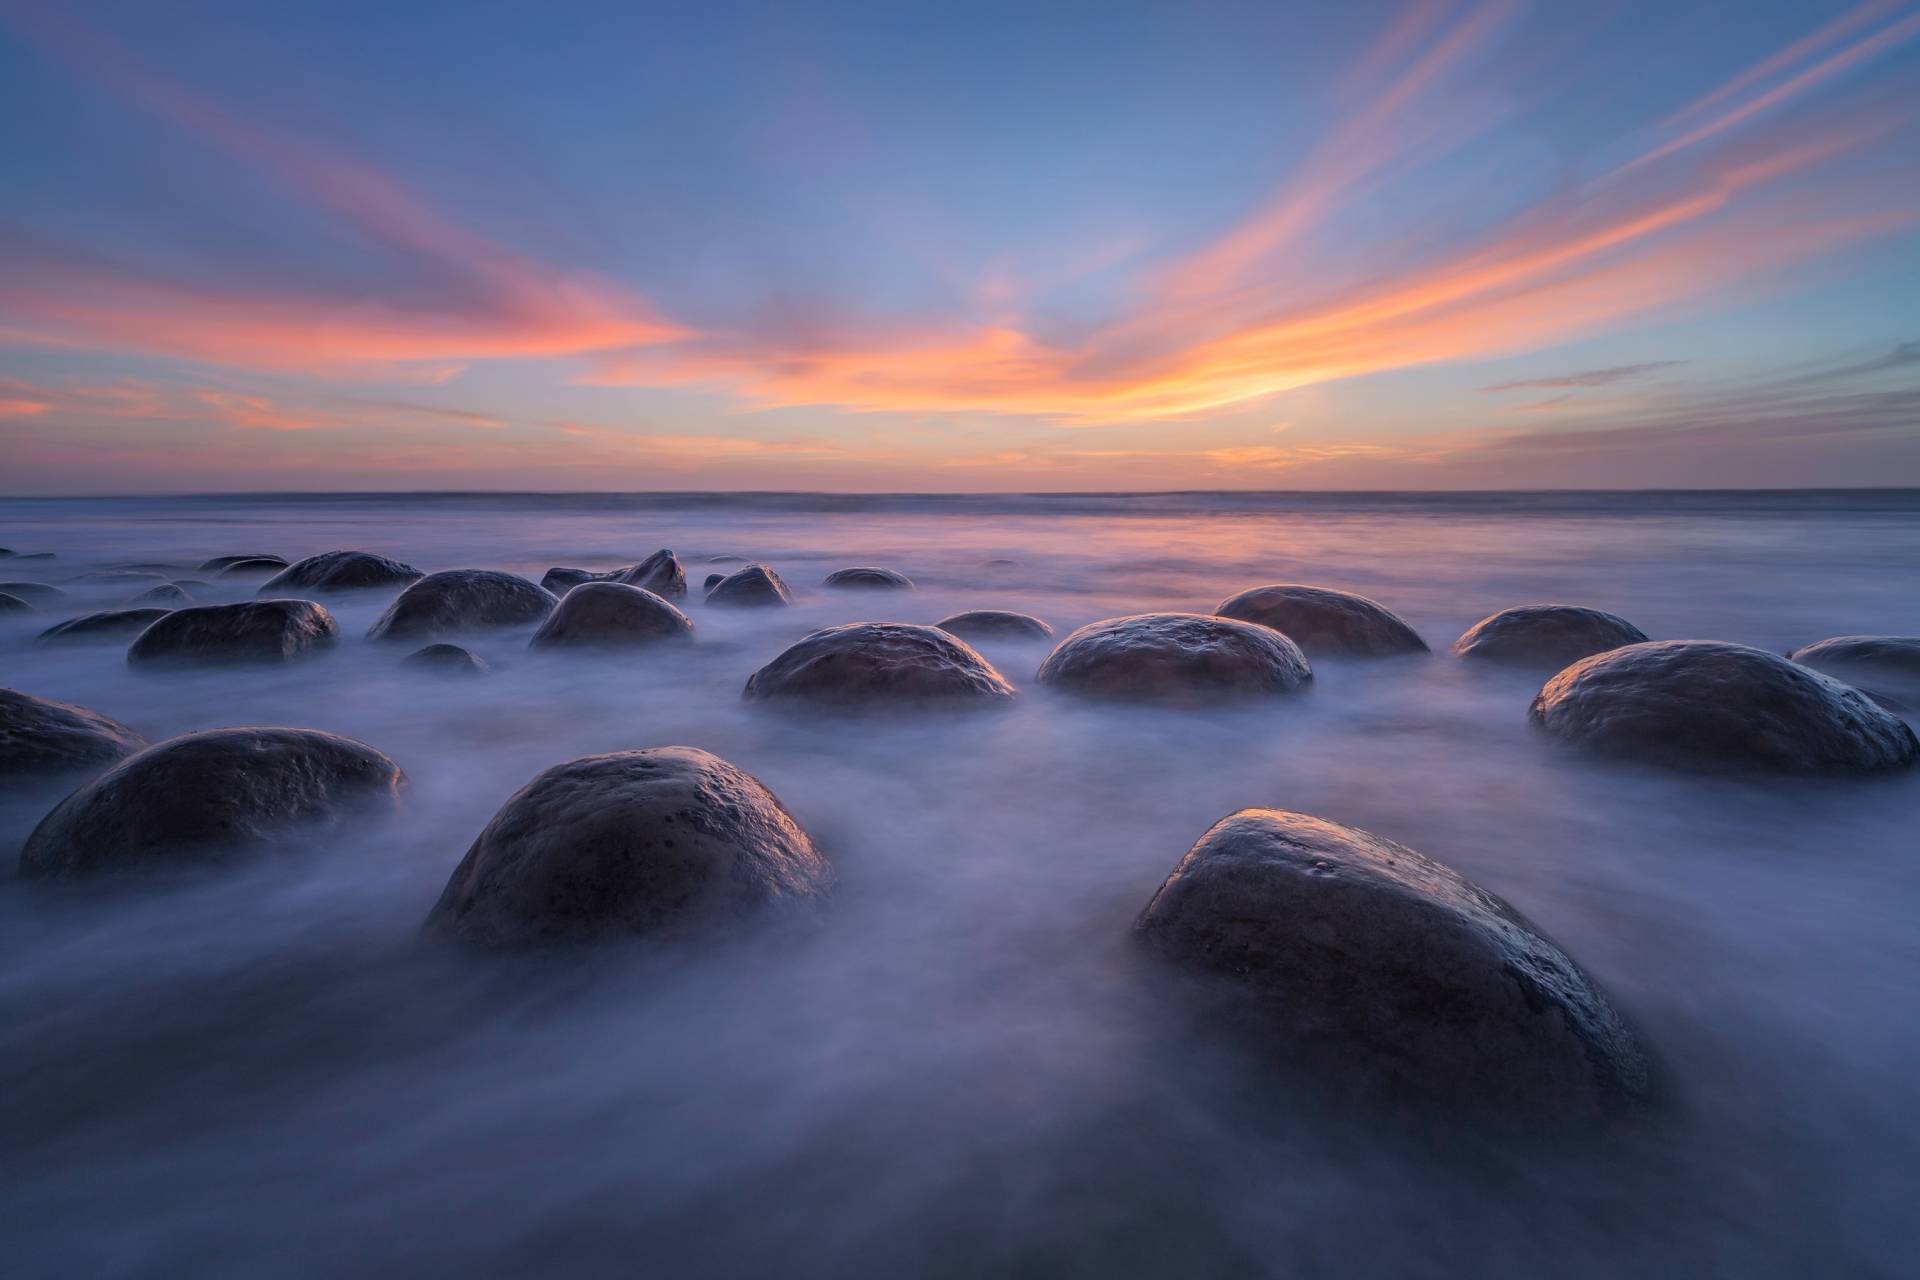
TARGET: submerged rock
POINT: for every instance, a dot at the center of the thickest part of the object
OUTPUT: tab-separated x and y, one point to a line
995	624
1877	661
37	555
874	663
340	571
99	628
561	580
33	592
611	615
1178	657
751	587
221	562
713	580
1324	622
655	842
1706	704
39	735
660	573
455	600
170	593
1546	635
269	631
868	578
446	660
258	567
14	604
1350	944
217	797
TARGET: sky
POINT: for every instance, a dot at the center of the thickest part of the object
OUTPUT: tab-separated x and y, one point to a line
1443	244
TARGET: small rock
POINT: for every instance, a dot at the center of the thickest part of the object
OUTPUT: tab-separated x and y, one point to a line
253	631
104	627
446	660
713	580
751	587
611	615
339	571
1324	622
33	592
221	562
455	600
41	736
868	578
1546	635
169	593
873	663
560	580
660	573
995	624
1175	657
258	567
14	604
1866	660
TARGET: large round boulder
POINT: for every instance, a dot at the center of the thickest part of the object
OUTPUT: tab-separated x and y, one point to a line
752	587
218	563
1324	622
611	615
995	624
264	631
39	735
879	663
456	600
1357	950
216	797
1873	663
445	660
1175	657
14	604
1548	635
660	573
339	571
656	842
105	627
1706	704
33	592
868	577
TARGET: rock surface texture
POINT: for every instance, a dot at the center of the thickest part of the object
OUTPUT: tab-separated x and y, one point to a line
1550	635
878	664
1175	657
457	600
1324	622
611	615
263	631
39	735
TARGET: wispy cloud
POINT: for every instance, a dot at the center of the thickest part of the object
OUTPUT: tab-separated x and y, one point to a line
1588	377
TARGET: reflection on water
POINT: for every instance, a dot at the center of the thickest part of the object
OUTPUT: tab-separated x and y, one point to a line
966	1071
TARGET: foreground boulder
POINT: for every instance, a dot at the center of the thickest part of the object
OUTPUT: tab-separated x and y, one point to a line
14	604
1175	657
340	571
268	631
877	663
218	563
167	593
446	660
1705	704
455	600
995	624
1324	622
1550	635
218	797
33	592
755	586
611	615
660	573
99	628
1875	662
655	842
1359	951
39	735
868	578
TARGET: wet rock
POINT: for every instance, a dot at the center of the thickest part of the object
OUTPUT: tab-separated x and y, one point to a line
1706	704
1549	635
253	631
1356	949
879	663
14	604
1325	623
561	580
168	593
258	567
218	797
41	736
995	624
1869	662
456	600
221	562
1175	657
611	615
660	573
446	660
713	580
33	592
868	578
659	842
752	587
105	627
340	571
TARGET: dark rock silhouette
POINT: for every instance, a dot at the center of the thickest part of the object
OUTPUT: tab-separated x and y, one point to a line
14	604
995	624
220	562
879	663
1324	622
561	580
1175	657
98	628
446	660
41	736
33	592
751	587
660	573
340	571
713	580
611	615
253	631
1545	635
1891	662
167	593
257	567
456	600
868	578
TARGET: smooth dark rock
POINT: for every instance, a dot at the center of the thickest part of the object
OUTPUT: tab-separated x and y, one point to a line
340	571
1866	660
40	736
995	624
868	578
1001	562
446	660
33	592
1546	635
456	600
6	554
1706	704
713	580
1325	623
752	587
726	559
106	626
259	567
1359	950
660	573
1175	657
168	593
253	631
14	604
877	663
221	562
658	842
561	580
217	797
611	615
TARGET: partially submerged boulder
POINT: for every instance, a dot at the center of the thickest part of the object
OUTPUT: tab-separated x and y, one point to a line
252	631
33	592
660	573
995	624
257	567
218	797
104	627
713	580
340	571
221	562
611	615
1548	635
755	586
446	660
41	736
14	604
1175	657
658	842
167	593
561	580
868	578
1324	622
1873	662
1367	953
877	664
1707	704
456	600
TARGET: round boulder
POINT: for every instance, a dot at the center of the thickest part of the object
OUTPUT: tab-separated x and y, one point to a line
995	624
446	660
868	578
660	573
1875	661
104	627
340	571
656	842
14	604
168	593
257	567
872	663
611	615
1359	949
268	631
1549	635
1706	704
1175	657
216	797
713	580
39	735
33	592
1324	622
752	587
221	562
461	600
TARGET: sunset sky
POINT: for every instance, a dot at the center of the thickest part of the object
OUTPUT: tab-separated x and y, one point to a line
959	247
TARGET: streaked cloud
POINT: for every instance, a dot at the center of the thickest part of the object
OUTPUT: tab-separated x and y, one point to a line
1588	377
